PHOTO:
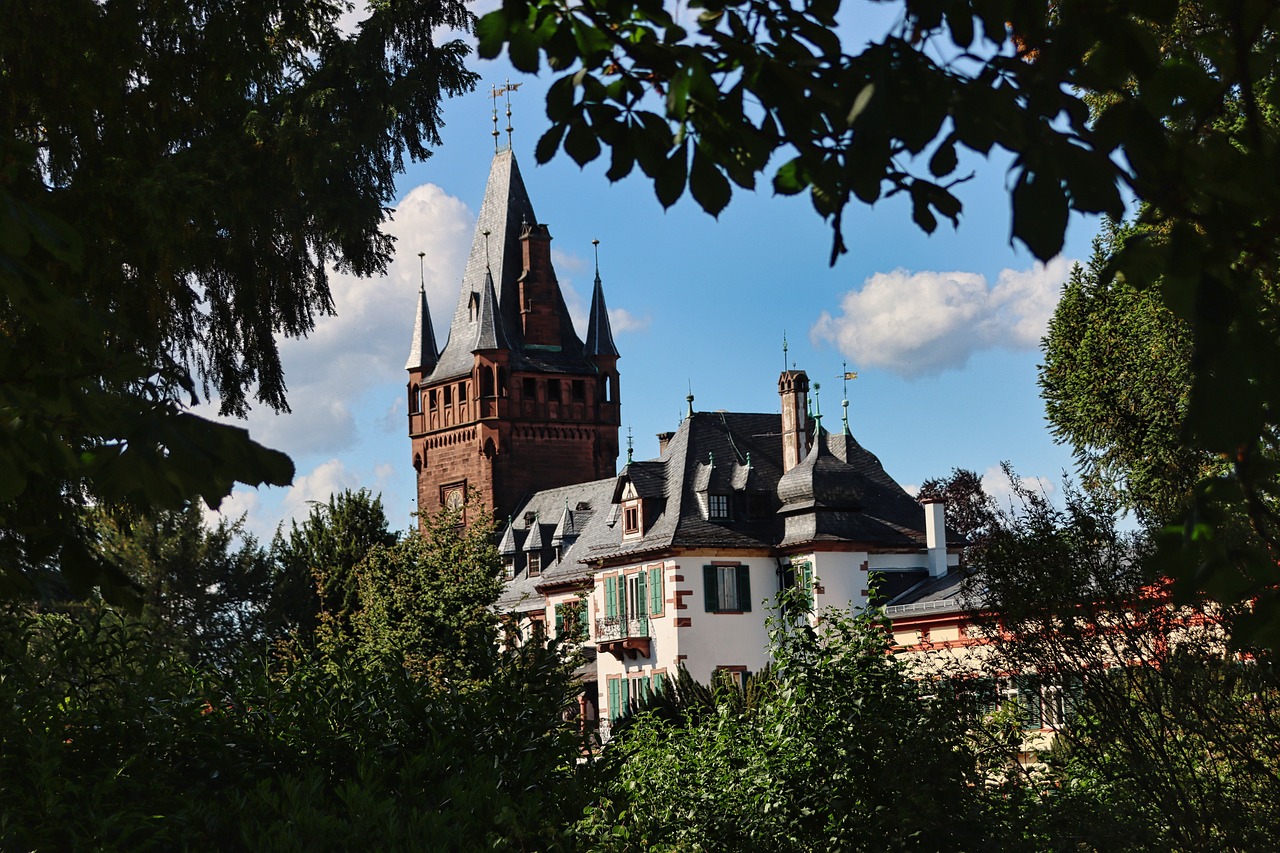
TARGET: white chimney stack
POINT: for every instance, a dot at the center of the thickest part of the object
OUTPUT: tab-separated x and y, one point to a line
935	534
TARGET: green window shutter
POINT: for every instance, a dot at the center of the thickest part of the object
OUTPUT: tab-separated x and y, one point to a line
642	599
1029	697
611	596
655	590
584	618
744	588
646	689
988	698
710	586
1072	691
614	702
559	620
659	682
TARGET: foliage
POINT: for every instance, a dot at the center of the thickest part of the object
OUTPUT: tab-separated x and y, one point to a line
835	750
109	740
317	560
1116	381
970	511
426	603
175	180
1170	737
1169	101
209	589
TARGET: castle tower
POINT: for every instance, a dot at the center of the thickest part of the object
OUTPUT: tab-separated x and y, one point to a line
515	402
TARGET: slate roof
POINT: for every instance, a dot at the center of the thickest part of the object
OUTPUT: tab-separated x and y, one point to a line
589	504
496	263
945	594
599	332
737	454
423	352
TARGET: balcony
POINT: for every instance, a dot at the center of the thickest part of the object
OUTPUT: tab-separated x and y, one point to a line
623	637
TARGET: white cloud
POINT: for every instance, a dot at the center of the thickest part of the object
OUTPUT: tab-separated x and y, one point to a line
921	324
623	321
317	486
367	342
243	501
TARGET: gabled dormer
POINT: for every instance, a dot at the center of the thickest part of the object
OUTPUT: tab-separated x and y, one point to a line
638	496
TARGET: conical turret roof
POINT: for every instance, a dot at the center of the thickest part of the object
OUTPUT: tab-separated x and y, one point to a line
423	353
599	332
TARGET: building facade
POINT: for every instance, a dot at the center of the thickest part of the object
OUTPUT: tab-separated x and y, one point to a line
672	561
515	402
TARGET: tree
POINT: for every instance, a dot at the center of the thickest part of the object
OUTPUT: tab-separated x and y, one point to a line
426	603
175	181
209	589
1166	737
833	748
1116	382
1171	102
970	511
317	560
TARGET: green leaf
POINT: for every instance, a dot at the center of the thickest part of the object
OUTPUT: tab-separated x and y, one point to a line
548	144
944	160
581	143
1040	214
523	49
790	178
669	182
709	187
491	31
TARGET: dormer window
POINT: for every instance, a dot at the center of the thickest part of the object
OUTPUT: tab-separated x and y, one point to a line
535	564
630	520
509	566
473	307
718	507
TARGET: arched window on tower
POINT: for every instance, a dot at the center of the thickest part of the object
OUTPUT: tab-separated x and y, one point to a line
486	382
415	399
613	388
502	382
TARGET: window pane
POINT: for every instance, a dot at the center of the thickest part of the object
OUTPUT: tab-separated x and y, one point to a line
728	593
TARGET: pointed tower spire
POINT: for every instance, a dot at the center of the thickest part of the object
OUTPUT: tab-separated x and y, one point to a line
423	353
599	332
490	334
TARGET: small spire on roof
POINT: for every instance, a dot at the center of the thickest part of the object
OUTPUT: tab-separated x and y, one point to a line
689	399
748	458
784	350
711	459
599	331
630	444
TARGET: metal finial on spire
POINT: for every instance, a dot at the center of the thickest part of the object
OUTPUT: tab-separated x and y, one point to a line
630	445
817	399
845	376
711	459
495	119
422	271
748	458
486	233
784	350
596	244
689	399
507	90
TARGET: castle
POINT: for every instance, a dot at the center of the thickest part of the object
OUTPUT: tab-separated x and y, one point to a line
669	562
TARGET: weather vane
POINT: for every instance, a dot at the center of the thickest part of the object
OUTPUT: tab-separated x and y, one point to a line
845	376
506	89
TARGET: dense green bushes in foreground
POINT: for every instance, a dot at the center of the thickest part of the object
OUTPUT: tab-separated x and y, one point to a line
399	722
109	740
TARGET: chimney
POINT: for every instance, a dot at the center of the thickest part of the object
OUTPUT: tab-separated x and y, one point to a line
664	438
793	388
935	534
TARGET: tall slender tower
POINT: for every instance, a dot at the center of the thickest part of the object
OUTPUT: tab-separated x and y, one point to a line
515	402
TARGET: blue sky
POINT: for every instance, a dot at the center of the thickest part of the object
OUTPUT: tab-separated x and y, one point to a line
943	330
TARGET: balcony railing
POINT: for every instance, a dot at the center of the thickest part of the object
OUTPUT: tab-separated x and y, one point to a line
621	628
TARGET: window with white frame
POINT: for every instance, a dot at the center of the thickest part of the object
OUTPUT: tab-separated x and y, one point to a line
717	507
